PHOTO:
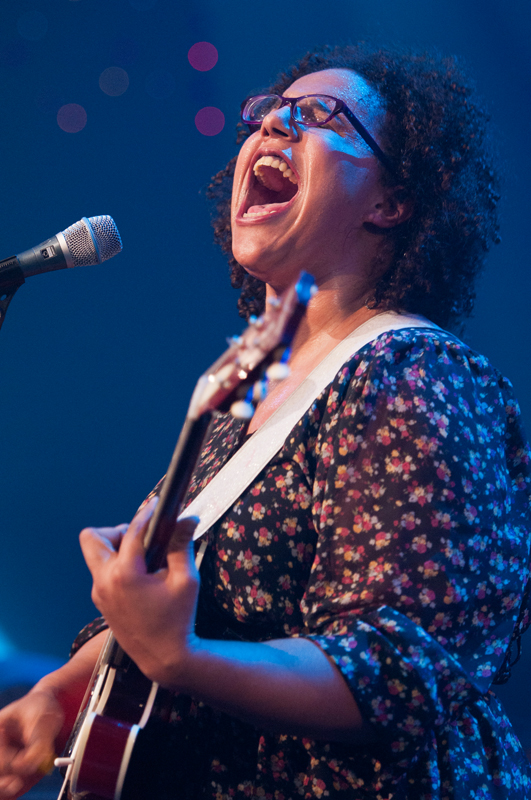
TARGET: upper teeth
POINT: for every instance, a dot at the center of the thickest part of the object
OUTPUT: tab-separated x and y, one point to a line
276	163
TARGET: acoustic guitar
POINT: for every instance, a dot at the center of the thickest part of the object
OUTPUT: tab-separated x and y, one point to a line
120	700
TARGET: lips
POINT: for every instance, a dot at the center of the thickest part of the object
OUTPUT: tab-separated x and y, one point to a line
272	185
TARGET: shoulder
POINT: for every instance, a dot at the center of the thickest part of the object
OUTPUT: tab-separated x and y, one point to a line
421	357
428	371
432	346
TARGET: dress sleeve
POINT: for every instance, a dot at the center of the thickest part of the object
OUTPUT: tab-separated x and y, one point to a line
88	632
421	502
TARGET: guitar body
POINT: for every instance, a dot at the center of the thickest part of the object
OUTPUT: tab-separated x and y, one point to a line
101	746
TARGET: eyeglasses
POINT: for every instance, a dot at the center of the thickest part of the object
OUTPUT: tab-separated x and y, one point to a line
313	110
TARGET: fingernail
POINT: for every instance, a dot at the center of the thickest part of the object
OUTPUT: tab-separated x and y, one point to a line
47	764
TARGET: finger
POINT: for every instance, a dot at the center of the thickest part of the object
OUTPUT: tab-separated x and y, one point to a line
180	557
7	755
11	786
132	548
11	742
183	534
38	756
100	544
142	517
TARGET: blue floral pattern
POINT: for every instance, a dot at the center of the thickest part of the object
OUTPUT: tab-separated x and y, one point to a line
393	529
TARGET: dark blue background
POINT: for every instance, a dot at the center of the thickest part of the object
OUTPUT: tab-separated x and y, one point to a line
97	364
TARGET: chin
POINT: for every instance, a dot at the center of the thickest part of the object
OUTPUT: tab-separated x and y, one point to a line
256	268
253	256
279	274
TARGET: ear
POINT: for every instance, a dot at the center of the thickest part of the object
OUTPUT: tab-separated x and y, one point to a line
393	208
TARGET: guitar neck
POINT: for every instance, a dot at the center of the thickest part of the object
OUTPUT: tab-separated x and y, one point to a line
176	482
162	523
231	378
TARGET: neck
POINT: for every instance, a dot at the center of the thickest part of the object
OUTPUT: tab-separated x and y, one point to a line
333	312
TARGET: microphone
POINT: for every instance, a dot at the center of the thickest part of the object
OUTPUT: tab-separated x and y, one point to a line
85	243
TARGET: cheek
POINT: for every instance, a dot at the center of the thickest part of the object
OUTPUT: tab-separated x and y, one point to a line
343	189
360	177
240	170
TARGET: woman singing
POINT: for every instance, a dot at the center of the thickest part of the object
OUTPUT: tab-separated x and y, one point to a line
356	603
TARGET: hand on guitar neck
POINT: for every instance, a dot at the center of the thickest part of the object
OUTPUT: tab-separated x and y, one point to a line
34	729
152	615
147	591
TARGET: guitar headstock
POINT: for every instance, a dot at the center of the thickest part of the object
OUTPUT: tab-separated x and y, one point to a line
263	343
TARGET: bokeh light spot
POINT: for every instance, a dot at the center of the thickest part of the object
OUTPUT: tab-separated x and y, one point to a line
210	121
114	81
203	56
32	25
160	84
72	118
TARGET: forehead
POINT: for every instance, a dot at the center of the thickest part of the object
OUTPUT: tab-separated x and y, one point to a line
344	84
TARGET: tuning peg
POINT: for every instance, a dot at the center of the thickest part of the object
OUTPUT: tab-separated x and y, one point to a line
234	340
63	762
259	391
277	371
242	409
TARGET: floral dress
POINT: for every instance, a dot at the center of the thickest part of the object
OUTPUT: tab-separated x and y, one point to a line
393	529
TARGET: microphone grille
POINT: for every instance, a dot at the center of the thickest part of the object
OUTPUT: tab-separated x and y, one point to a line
91	241
107	237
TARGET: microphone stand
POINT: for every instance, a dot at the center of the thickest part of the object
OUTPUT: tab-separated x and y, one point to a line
11	277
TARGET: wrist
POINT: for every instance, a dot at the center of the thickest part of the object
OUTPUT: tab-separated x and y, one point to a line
177	670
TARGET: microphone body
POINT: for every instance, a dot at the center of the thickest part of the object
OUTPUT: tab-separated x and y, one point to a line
85	243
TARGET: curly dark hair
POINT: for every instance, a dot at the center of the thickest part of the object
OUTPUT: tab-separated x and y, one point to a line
436	135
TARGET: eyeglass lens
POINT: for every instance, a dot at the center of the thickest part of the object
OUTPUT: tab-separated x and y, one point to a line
312	110
257	108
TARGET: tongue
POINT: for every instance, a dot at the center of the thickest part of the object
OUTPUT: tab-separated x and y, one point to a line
261	209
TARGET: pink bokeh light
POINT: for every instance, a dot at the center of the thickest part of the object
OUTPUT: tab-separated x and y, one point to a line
72	118
210	121
203	56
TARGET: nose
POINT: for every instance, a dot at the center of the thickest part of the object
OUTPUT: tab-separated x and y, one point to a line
279	123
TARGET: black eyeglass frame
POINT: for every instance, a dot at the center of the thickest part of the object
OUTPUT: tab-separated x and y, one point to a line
340	108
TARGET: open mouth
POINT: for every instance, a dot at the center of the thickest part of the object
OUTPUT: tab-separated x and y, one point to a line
273	185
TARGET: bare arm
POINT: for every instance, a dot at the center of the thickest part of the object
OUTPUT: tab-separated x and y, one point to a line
36	727
285	685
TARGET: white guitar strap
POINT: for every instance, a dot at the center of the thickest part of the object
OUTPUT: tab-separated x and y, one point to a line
247	462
